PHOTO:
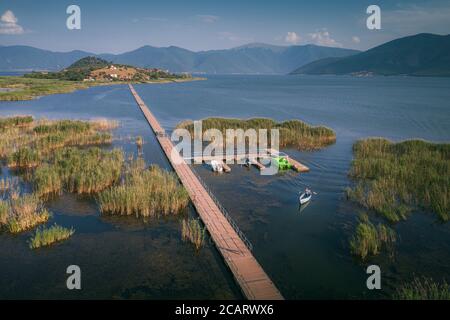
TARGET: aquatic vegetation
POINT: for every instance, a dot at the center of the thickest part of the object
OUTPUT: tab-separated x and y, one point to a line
293	133
8	184
423	289
24	88
144	193
24	158
47	236
78	171
103	124
192	231
15	121
26	146
369	239
20	213
394	178
139	141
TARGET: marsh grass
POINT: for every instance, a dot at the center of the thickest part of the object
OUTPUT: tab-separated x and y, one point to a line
47	236
28	88
369	239
192	231
394	178
20	213
18	121
293	133
8	184
139	142
26	146
144	193
423	289
78	171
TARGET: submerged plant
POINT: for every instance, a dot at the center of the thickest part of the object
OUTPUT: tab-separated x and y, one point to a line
192	231
47	236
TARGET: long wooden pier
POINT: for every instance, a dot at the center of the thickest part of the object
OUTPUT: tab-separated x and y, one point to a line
253	280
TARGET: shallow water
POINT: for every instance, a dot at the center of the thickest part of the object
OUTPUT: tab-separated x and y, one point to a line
306	253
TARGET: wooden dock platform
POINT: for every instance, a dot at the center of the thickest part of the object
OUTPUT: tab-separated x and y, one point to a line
248	273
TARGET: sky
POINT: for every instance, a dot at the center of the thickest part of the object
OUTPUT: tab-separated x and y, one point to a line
116	26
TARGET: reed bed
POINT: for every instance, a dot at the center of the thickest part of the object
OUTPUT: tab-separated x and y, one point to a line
24	158
144	192
423	289
192	231
8	184
293	133
18	121
20	213
47	236
369	239
394	178
78	171
22	145
103	124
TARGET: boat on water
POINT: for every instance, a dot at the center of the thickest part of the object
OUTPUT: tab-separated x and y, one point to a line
216	166
282	163
305	196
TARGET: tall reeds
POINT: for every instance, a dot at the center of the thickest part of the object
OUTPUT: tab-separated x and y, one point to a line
47	236
144	193
370	239
423	289
20	213
293	133
394	178
78	171
25	145
192	231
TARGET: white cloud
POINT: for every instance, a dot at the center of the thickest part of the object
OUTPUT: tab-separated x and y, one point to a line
207	18
323	38
356	39
9	25
292	38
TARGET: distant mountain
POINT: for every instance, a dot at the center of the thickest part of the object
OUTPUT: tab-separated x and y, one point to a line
419	55
29	58
249	59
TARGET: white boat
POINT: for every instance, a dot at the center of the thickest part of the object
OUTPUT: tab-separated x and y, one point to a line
216	166
305	196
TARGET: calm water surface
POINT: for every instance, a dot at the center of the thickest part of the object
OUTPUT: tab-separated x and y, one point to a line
305	252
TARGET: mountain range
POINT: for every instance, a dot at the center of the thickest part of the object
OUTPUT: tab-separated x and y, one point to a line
419	55
249	59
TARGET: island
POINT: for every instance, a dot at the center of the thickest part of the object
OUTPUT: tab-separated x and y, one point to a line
84	73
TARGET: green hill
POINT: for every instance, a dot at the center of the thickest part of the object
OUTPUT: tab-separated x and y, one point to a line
419	55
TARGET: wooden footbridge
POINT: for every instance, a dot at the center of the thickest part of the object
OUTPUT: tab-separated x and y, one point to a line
231	243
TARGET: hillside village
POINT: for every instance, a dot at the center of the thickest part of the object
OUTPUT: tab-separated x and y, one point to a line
96	69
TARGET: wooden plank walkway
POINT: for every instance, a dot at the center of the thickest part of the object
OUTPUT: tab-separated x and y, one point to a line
253	280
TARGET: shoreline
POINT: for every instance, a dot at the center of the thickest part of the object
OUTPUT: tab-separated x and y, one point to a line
18	88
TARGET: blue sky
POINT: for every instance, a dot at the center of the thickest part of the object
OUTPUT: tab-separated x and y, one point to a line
117	26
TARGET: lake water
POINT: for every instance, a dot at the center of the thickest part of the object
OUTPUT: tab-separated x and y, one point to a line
305	252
